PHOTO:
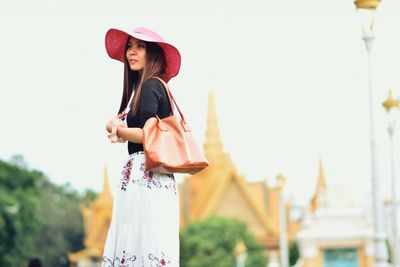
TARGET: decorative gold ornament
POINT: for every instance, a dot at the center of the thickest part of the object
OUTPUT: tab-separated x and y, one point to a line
390	102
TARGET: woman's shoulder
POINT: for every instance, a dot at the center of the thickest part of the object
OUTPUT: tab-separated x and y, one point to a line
152	87
153	84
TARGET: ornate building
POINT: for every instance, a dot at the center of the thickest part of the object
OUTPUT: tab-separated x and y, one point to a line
221	190
335	233
96	221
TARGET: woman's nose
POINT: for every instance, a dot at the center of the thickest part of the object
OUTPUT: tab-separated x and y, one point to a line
131	51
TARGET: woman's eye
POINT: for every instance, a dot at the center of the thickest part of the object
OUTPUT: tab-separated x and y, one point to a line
137	45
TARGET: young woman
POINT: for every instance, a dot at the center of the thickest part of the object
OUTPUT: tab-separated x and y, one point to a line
144	230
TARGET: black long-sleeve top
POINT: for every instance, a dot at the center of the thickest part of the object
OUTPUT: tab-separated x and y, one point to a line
153	101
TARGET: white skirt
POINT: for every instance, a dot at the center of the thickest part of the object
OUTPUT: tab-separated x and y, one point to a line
144	230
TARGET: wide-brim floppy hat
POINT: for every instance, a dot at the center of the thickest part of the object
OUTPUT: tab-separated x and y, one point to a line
116	41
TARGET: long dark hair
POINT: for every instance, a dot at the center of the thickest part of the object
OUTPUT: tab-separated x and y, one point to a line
154	67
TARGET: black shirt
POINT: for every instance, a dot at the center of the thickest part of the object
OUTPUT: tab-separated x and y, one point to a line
153	101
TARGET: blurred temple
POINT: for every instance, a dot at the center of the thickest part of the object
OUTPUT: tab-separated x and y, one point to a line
220	190
97	219
334	232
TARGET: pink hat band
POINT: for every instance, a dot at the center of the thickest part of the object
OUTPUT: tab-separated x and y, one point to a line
116	41
146	33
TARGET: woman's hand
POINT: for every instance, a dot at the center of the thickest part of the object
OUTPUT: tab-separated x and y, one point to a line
109	125
121	115
118	120
112	127
119	131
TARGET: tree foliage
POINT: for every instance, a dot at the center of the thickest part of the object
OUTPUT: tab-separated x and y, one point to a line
61	228
212	243
294	253
37	218
19	193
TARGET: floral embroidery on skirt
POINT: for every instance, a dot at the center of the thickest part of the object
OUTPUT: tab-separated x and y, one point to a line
144	230
128	261
145	178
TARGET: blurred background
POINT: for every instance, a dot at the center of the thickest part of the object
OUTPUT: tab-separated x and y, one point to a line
294	102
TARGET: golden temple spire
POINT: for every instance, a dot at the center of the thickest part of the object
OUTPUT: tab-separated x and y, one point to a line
319	198
106	185
321	185
105	197
212	145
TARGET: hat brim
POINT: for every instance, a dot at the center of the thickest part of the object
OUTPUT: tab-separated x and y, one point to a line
116	41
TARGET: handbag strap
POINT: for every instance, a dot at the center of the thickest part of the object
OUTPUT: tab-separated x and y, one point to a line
171	99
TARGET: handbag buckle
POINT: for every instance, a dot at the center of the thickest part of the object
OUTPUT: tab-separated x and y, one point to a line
161	125
185	126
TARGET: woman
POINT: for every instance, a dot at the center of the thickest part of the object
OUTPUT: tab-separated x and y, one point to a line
144	230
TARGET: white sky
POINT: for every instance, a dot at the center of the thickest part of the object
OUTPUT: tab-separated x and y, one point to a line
289	77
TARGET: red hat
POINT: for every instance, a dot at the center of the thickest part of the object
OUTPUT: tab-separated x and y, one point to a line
116	41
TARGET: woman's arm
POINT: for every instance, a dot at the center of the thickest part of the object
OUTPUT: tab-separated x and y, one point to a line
134	135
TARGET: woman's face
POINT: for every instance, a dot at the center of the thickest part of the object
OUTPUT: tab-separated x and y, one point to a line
136	54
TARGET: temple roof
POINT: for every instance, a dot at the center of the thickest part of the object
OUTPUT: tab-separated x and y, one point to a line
206	190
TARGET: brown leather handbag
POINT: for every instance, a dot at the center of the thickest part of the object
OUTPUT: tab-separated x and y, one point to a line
168	144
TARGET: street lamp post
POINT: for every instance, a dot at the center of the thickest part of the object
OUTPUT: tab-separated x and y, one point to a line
283	243
366	9
392	107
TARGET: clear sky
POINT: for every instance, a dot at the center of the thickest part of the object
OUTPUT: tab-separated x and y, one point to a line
289	78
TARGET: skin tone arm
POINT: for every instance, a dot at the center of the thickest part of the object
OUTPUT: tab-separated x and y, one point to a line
134	135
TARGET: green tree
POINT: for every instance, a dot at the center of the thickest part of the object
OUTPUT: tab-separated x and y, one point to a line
294	253
19	198
61	230
212	243
37	218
